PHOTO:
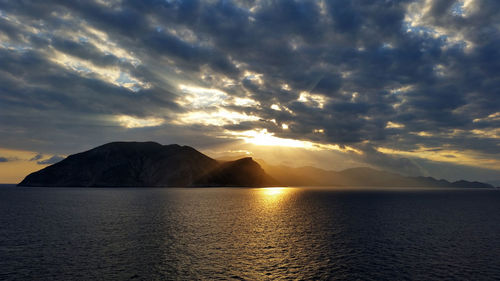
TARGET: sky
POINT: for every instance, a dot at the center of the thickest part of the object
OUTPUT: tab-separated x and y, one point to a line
411	87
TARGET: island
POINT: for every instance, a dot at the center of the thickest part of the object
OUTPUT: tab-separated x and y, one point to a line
150	164
147	164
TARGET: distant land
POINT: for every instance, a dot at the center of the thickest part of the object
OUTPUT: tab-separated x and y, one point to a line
149	164
361	176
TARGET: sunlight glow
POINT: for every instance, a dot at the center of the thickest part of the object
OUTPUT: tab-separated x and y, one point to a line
312	100
275	107
246	102
112	75
492	117
264	138
198	97
219	117
466	157
19	164
273	191
422	134
394	125
487	134
272	196
403	89
253	76
101	41
134	122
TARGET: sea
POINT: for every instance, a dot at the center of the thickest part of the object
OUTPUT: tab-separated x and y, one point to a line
303	233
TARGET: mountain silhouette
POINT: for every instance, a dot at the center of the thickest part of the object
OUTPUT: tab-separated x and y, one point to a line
242	172
361	176
141	164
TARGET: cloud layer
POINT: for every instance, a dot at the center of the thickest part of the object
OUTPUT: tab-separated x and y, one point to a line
405	83
52	160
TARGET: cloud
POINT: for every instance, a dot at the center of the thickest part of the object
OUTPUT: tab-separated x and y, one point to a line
52	160
131	122
404	76
37	157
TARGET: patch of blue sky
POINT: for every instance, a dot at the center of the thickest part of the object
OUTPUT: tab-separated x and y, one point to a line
458	8
83	39
418	29
80	68
14	47
125	80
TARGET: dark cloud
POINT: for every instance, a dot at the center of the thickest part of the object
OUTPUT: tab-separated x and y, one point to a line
52	160
70	69
37	157
84	50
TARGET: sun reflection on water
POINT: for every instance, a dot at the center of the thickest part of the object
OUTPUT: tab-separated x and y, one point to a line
273	196
274	191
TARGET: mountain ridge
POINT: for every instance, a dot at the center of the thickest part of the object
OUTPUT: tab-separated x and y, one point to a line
359	176
145	164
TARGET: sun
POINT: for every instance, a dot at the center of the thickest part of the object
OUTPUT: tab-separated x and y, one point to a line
262	137
265	138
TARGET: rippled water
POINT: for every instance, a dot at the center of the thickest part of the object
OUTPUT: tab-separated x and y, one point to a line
248	234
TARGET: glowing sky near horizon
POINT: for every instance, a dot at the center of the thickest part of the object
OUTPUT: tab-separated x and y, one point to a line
406	86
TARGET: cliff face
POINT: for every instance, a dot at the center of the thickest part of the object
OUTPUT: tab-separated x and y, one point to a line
141	164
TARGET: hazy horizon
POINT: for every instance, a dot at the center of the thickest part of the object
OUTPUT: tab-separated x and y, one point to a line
302	175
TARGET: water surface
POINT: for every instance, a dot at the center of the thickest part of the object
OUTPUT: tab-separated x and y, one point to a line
249	234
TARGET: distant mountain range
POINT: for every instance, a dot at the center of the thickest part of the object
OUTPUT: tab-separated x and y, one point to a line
362	176
144	164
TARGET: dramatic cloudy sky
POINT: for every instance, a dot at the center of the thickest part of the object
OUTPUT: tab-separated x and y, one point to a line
407	86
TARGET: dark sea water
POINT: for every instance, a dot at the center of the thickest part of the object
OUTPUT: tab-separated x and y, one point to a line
249	234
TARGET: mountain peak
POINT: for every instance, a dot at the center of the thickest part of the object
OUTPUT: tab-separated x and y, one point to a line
138	164
245	160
